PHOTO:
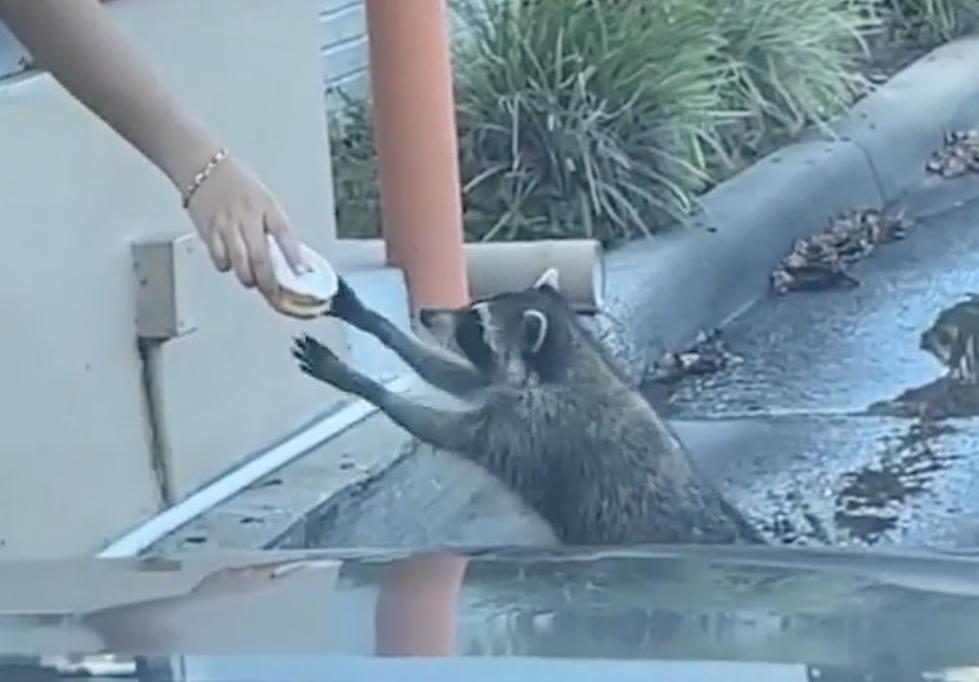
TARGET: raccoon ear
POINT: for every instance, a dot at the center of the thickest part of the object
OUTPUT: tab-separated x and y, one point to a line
551	278
534	330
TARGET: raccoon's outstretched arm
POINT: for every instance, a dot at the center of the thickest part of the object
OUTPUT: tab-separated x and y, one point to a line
439	370
446	430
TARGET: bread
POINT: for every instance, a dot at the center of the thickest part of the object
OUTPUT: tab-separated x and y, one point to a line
299	307
304	296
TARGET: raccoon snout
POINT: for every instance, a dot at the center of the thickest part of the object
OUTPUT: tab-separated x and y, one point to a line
434	322
438	324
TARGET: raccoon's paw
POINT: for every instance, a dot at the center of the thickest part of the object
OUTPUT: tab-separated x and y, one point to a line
314	358
345	304
319	362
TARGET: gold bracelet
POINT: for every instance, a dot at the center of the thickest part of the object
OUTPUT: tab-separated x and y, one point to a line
202	175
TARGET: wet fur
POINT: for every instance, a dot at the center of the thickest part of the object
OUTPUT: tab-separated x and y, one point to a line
550	415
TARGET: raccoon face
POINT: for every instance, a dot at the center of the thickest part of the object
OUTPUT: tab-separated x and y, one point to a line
514	337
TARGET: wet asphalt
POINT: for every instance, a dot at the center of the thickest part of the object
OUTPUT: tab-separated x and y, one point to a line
785	432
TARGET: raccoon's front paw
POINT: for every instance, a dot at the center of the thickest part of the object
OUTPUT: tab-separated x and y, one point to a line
345	304
314	358
319	362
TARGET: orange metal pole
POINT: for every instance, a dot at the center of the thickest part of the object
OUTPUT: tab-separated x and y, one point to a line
415	133
421	215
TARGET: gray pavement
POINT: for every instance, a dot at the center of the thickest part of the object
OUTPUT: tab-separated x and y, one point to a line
784	432
786	429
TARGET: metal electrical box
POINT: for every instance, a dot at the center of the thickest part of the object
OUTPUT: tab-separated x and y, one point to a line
164	295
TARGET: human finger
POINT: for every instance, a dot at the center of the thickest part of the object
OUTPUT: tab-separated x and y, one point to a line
253	233
217	250
278	226
238	252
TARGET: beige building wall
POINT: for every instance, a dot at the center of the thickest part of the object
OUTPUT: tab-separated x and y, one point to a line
78	463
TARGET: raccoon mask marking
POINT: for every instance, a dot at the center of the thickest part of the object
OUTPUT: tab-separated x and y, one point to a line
508	337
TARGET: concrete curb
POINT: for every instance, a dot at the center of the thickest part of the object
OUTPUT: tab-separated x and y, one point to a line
662	290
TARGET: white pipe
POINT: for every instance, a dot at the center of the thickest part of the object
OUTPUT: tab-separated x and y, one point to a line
144	535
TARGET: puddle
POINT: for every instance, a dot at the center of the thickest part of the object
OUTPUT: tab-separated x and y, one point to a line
870	500
817	480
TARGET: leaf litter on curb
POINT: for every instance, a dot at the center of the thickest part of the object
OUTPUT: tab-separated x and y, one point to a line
821	261
707	354
959	154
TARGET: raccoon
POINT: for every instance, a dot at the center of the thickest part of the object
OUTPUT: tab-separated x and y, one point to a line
954	340
548	413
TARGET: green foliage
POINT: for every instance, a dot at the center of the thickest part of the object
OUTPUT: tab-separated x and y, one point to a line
354	162
929	22
583	116
788	64
607	118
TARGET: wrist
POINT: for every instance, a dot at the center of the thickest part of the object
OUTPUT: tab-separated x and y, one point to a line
184	154
190	189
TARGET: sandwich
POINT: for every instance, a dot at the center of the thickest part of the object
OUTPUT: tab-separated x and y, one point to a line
304	296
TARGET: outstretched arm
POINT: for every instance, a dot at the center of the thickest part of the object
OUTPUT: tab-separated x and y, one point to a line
451	430
499	442
87	54
438	369
79	45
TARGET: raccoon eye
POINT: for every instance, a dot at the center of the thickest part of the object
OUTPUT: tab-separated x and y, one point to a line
471	340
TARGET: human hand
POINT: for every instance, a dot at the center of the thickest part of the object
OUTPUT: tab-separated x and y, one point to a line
233	212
